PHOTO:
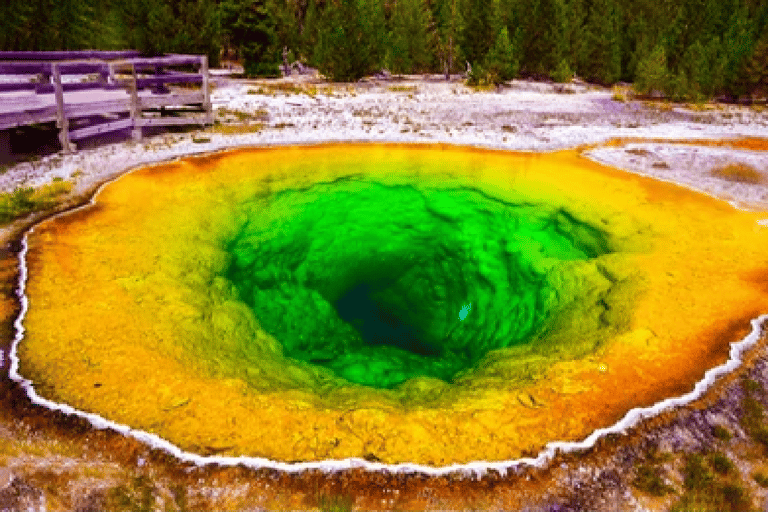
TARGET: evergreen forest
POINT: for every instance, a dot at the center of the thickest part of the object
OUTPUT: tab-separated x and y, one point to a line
685	50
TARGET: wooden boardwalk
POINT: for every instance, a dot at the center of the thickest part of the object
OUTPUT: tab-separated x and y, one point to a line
92	92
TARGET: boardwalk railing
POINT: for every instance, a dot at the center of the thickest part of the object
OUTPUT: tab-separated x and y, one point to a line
111	91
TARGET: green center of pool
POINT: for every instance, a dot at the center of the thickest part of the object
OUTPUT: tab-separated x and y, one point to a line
369	280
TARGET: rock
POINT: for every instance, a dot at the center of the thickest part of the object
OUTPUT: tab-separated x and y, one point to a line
6	478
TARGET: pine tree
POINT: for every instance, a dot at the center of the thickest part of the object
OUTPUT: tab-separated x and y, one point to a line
652	73
343	50
738	44
309	36
574	39
543	28
286	19
145	25
603	53
501	63
251	30
410	42
205	39
373	25
477	36
756	69
450	26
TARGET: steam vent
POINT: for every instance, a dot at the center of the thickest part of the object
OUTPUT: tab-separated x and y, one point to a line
425	304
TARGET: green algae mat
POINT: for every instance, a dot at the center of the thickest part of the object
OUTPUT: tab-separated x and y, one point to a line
426	304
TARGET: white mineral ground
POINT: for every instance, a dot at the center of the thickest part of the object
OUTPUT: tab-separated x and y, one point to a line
526	116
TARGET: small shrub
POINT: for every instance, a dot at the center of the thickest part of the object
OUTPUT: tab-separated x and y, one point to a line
563	73
761	479
760	434
236	129
335	503
621	93
25	200
402	88
477	76
721	463
696	502
739	173
753	413
649	480
697	476
735	497
721	433
136	497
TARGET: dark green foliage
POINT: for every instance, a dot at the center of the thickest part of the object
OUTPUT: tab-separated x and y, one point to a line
502	61
601	58
139	496
55	25
735	497
756	68
761	479
652	74
753	413
649	480
721	433
697	476
721	463
543	28
563	72
761	435
286	17
688	50
738	44
373	25
477	36
346	44
751	386
477	75
158	27
249	27
449	27
411	45
25	200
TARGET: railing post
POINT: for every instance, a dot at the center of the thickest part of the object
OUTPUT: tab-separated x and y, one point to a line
206	90
111	73
135	109
62	123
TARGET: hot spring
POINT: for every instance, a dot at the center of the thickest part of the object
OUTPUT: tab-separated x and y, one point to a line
428	304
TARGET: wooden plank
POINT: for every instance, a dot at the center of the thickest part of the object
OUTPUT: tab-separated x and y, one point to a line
61	119
155	81
19	100
150	62
168	121
82	68
74	110
171	100
69	55
111	126
20	86
21	68
75	86
14	119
